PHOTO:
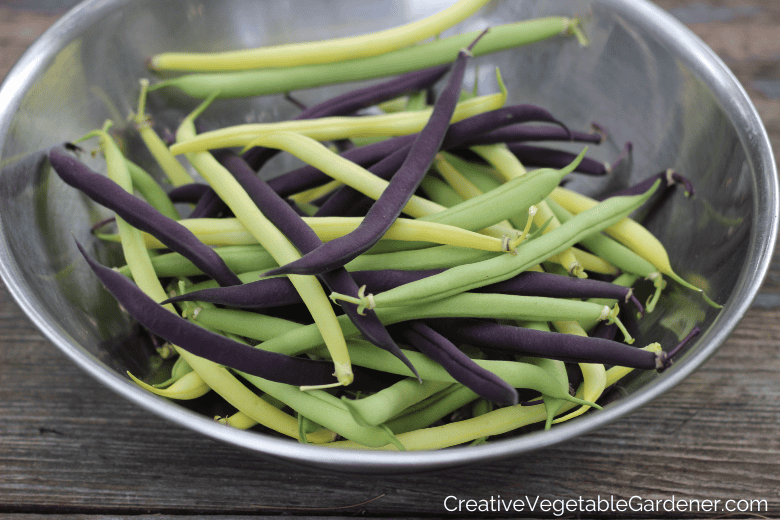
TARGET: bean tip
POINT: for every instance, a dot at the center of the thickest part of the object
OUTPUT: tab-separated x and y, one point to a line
150	64
600	130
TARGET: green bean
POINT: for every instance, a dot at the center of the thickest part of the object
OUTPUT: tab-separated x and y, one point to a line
470	190
260	327
250	262
440	192
320	407
151	191
509	167
385	404
240	259
464	188
621	256
255	83
510	198
485	178
607	247
531	253
428	258
432	409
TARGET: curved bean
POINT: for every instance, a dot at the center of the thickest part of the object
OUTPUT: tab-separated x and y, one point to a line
565	346
140	214
216	377
325	51
461	367
204	343
189	386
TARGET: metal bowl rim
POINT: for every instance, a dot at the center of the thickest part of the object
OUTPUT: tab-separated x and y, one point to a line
691	51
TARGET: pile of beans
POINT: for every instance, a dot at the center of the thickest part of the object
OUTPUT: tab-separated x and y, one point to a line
424	281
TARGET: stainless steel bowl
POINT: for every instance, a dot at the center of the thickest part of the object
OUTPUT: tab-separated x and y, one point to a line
645	77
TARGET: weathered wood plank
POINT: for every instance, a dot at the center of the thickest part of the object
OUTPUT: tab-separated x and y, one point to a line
70	446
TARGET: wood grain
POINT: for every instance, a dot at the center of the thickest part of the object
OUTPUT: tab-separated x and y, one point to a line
70	447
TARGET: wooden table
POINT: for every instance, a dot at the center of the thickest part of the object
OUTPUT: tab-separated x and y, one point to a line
70	447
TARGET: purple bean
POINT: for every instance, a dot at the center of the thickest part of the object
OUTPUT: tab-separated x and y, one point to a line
188	193
532	283
347	201
687	339
604	330
261	294
351	102
525	133
551	158
355	100
553	345
671	177
464	131
204	343
391	202
274	292
461	367
141	215
209	206
207	202
305	239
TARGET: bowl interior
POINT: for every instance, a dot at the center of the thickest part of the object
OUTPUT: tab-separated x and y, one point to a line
643	77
